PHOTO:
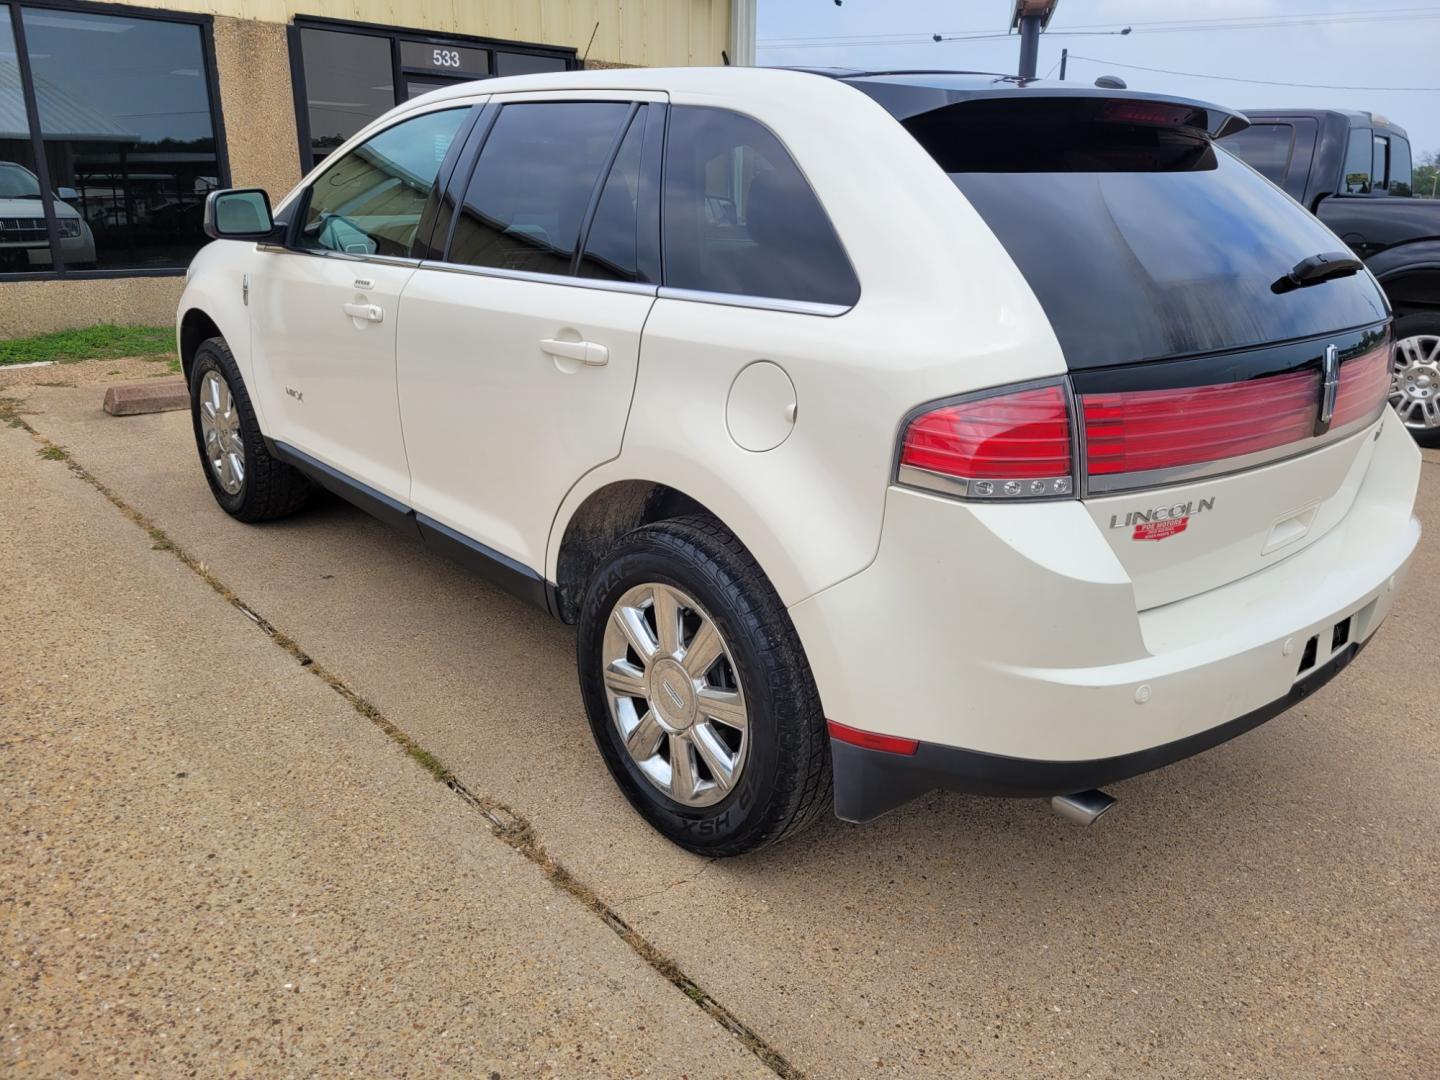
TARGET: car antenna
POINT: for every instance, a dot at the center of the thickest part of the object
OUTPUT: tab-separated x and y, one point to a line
589	43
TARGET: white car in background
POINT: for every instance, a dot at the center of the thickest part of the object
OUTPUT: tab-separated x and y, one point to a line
24	240
879	432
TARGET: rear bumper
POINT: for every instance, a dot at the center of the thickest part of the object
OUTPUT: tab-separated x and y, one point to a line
869	783
1007	642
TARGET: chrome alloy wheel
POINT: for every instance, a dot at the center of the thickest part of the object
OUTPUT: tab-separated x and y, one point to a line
675	695
220	426
1415	383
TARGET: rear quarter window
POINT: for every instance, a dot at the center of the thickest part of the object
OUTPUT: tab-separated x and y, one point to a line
741	219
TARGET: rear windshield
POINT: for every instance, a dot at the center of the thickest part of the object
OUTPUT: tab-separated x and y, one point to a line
1140	241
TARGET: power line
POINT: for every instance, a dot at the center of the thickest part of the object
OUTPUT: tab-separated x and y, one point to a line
1258	82
1158	26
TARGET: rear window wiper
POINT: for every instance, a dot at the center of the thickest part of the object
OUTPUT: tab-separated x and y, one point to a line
1318	268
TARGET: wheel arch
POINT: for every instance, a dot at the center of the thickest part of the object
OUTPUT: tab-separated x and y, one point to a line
196	326
581	538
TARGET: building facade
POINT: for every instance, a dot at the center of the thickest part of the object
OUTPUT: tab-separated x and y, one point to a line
117	119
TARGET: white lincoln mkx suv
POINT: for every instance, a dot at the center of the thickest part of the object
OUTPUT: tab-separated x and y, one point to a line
879	432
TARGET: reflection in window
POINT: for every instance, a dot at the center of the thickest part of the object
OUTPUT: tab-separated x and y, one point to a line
348	83
532	184
125	123
1358	162
24	240
370	201
611	248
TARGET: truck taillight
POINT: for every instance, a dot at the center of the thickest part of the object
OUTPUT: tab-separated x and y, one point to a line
1012	445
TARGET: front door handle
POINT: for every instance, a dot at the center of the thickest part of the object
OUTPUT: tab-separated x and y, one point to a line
368	312
584	352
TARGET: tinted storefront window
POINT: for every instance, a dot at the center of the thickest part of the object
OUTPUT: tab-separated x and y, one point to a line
353	74
126	127
348	83
24	240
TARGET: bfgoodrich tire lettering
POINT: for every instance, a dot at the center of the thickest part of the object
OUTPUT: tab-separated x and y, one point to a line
784	783
268	488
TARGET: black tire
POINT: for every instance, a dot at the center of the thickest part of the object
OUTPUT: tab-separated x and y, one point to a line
786	782
270	489
1411	326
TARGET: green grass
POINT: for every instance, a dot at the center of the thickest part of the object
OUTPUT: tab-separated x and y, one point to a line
92	343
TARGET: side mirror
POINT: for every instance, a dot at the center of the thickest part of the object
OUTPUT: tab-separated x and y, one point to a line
238	214
67	194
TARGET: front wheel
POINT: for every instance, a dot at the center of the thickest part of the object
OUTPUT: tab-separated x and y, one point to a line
1415	384
699	696
246	481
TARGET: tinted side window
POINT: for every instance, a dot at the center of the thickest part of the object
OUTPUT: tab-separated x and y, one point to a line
1358	161
611	247
1400	168
740	218
1265	148
370	201
527	197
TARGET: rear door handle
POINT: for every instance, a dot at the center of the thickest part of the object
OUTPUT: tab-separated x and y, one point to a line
368	312
585	352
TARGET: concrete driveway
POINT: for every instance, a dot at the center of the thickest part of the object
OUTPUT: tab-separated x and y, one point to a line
214	858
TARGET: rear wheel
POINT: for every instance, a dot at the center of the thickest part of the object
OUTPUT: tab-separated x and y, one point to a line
1415	385
246	481
698	692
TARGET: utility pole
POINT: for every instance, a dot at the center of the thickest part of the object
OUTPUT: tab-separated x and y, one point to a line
1030	17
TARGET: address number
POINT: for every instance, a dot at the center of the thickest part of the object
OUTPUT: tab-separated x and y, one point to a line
449	58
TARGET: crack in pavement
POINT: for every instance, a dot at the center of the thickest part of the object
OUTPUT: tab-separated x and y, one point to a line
502	821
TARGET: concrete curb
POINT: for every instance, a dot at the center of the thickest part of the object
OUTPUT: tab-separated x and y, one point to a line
151	396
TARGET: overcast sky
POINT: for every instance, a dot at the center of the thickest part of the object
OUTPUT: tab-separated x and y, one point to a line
1389	43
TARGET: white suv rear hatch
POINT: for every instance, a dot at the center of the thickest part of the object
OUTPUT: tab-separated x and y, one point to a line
1222	392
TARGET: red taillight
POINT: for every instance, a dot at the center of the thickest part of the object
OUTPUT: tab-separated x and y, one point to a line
1364	386
1008	445
1017	444
1141	430
870	740
1157	113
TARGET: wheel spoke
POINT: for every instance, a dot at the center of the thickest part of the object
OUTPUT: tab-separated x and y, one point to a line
625	679
632	625
666	607
724	705
237	468
644	738
227	481
717	755
704	649
682	769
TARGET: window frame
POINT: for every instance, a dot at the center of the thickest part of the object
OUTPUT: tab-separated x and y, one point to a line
398	70
206	25
657	103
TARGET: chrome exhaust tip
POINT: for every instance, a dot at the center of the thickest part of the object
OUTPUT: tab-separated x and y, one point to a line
1083	807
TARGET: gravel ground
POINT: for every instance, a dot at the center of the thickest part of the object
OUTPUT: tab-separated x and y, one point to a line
1266	909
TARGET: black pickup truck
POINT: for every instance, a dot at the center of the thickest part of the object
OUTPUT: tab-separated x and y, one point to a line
1353	170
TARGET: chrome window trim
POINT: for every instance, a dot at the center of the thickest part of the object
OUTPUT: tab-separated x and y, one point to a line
347	256
763	303
538	278
1117	483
